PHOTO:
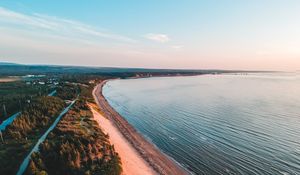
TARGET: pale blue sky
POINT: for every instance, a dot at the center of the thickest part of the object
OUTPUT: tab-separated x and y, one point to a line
232	34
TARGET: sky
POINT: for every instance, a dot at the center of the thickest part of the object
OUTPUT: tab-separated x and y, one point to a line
189	34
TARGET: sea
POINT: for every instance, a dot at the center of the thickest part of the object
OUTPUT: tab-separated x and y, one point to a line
223	124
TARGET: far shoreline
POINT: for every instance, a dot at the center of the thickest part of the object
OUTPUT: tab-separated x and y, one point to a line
156	159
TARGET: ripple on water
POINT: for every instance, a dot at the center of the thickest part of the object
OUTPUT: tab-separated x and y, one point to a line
217	124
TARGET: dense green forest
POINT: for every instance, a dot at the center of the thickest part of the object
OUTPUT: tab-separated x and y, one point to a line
14	95
76	146
37	114
67	91
26	129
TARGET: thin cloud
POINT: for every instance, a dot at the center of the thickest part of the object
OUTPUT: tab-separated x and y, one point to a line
162	38
42	39
55	26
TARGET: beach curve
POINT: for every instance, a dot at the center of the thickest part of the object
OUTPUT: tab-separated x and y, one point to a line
155	159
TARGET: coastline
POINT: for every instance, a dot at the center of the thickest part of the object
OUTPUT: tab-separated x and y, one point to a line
131	161
157	160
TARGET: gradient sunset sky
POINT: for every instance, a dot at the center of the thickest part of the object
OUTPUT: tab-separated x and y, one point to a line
197	34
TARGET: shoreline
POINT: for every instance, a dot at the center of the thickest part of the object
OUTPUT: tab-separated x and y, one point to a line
157	160
131	161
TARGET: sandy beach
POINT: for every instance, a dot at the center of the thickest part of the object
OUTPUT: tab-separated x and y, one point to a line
138	156
132	162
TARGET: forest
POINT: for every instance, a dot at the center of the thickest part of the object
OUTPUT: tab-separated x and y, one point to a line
14	95
26	129
77	145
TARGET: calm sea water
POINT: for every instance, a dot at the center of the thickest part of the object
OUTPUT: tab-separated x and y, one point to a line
217	124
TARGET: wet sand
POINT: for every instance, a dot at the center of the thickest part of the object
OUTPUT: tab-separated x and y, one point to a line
137	147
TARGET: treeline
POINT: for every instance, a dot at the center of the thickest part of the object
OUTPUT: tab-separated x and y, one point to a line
14	95
81	78
76	146
26	129
37	115
72	85
67	91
